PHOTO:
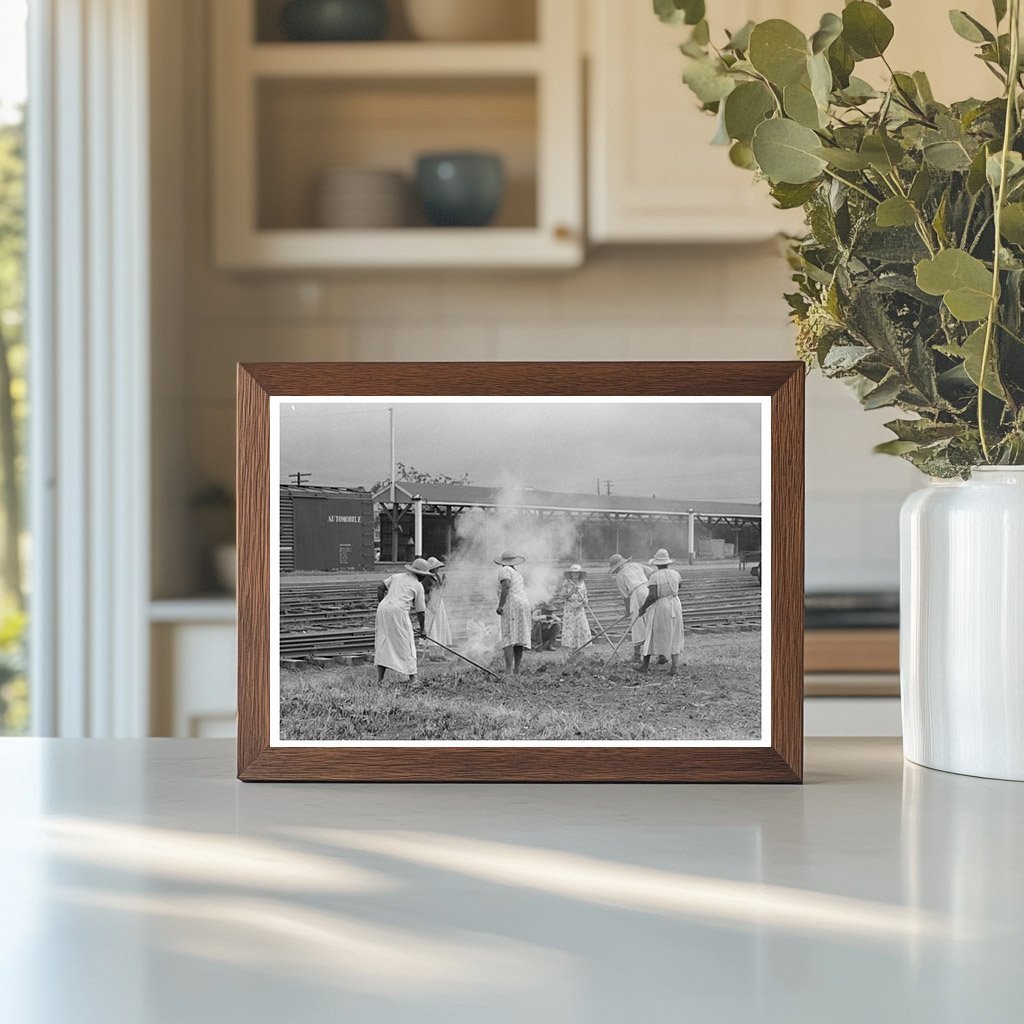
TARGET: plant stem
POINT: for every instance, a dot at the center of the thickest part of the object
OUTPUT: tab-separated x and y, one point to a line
1000	198
923	228
856	188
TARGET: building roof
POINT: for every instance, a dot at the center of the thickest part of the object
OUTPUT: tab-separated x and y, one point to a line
462	495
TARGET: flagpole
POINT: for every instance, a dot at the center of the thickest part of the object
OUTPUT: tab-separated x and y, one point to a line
394	503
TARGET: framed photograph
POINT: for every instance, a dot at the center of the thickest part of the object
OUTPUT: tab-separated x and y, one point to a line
519	572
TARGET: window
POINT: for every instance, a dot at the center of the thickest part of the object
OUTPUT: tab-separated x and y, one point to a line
14	704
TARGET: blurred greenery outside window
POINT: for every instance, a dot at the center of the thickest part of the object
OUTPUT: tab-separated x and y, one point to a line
14	692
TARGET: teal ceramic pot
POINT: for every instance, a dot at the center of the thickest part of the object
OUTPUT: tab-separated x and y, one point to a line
461	190
331	21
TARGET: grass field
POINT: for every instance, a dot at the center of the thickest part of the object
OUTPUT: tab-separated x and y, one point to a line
716	696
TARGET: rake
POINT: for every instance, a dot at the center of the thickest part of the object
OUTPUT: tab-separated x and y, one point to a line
475	664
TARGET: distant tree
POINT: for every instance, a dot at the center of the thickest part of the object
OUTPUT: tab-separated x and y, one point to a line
13	395
416	476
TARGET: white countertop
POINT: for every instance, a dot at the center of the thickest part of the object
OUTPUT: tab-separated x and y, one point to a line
143	885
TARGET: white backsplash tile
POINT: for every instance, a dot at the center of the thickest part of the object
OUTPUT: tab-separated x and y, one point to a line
714	302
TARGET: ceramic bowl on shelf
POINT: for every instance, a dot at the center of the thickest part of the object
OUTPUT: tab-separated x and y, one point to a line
331	21
470	20
361	198
460	189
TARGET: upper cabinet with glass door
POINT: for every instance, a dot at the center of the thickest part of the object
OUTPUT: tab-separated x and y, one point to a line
653	174
449	135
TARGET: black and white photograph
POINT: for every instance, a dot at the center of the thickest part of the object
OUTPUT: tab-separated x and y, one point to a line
520	571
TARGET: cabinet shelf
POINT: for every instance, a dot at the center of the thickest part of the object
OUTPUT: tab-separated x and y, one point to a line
393	60
310	248
286	113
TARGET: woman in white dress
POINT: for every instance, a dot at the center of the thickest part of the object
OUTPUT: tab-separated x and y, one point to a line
515	612
631	579
438	626
665	622
575	627
394	641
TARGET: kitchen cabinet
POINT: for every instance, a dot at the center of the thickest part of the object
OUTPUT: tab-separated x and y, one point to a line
653	175
193	671
287	113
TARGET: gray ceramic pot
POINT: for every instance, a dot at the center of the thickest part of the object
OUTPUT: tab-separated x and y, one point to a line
460	189
334	20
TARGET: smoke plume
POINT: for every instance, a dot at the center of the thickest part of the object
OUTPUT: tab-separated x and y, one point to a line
546	541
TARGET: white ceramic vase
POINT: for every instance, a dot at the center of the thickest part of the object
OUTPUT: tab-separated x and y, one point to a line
962	624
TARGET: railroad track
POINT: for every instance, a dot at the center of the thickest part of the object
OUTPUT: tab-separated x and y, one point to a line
321	618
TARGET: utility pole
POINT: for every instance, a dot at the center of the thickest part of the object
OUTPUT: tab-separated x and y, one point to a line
394	503
299	478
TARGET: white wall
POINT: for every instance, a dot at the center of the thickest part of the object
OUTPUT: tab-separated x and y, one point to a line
656	303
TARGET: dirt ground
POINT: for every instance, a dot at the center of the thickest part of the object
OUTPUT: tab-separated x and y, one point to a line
715	696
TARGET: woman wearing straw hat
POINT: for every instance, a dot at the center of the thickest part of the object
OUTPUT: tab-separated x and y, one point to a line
394	640
665	622
514	609
575	628
438	627
631	579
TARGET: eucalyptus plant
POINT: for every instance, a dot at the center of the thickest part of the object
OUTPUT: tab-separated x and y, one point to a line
910	278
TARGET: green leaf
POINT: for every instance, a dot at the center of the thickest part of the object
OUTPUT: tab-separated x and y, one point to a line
896	212
745	108
866	29
1012	225
924	87
741	155
694	11
858	91
963	281
676	12
906	89
820	77
969	28
939	220
785	152
947	156
1014	169
778	50
829	30
923	431
739	41
885	394
844	159
800	105
841	60
921	185
789	197
896	447
976	173
721	136
971	352
707	80
883	153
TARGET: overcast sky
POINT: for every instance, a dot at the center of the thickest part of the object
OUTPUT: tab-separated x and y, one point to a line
675	450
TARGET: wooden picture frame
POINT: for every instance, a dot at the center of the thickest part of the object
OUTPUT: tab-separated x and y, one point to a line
779	759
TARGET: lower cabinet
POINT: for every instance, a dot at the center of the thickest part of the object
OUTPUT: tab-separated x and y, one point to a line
193	672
